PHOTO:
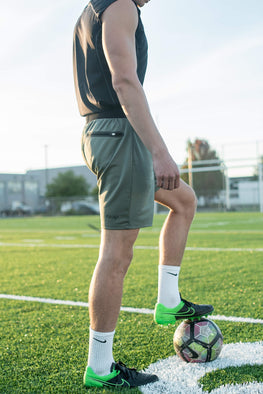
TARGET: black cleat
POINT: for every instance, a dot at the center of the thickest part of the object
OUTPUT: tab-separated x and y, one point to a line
120	377
185	310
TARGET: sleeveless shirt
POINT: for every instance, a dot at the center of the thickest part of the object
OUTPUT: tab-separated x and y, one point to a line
92	77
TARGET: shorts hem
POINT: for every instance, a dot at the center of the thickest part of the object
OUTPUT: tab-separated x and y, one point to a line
125	227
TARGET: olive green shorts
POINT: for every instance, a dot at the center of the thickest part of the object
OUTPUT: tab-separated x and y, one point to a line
123	166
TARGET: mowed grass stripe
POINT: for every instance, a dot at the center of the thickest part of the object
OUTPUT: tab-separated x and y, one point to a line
144	311
152	230
142	247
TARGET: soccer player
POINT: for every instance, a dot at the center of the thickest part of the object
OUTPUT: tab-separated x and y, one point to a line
123	147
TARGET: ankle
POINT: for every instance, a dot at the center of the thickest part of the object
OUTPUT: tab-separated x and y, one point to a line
168	291
100	352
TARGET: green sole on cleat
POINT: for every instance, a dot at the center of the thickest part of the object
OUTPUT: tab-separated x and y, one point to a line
198	318
183	311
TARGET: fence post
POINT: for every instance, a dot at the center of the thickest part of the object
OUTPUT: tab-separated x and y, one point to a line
228	205
260	186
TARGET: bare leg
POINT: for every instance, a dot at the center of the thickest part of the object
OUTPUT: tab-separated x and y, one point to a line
182	204
105	293
173	237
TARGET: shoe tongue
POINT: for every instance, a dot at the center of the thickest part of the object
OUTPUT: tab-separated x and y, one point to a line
112	368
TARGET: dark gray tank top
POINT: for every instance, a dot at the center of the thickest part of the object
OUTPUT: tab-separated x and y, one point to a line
94	90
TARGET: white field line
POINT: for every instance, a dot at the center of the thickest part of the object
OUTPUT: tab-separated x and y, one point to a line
227	231
144	231
144	311
225	249
207	231
149	247
178	377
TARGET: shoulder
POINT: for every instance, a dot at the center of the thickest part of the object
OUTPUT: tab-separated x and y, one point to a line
121	12
100	6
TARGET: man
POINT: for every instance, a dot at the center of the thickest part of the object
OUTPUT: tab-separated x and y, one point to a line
122	146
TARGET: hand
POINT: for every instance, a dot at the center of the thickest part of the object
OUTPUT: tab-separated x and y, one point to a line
166	171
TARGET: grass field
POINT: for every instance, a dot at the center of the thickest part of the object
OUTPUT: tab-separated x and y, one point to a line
44	346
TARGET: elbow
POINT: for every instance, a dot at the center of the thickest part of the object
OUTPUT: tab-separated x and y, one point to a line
122	83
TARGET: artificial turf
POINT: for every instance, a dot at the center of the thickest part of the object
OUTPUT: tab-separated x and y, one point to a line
44	347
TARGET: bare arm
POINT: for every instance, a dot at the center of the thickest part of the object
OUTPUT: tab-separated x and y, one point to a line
119	23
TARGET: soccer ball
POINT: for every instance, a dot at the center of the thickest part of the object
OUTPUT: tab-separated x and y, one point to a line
198	341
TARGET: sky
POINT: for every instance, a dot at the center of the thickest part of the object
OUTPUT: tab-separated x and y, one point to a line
204	79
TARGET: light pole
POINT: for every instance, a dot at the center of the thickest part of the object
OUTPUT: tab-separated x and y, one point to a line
46	166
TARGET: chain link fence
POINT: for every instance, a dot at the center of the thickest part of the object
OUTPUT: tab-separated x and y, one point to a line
239	188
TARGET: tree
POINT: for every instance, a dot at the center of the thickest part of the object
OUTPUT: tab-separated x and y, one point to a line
256	170
67	184
208	183
94	193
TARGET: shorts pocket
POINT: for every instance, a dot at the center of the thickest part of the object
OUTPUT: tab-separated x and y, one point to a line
99	148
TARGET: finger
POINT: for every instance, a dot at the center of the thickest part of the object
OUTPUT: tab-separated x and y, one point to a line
171	183
165	184
177	182
159	181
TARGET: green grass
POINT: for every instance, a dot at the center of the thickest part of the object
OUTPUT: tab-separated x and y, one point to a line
232	375
44	347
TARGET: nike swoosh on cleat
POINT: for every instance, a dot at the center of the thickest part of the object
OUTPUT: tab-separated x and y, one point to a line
189	312
98	340
118	385
112	384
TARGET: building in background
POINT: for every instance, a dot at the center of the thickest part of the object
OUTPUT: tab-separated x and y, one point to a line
26	192
244	192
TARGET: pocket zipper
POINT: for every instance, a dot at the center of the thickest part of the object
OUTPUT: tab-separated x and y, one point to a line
106	134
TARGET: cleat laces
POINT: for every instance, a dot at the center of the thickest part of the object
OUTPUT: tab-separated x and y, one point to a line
129	373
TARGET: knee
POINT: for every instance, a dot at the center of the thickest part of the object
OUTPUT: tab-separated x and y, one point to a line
120	263
116	251
191	202
187	205
123	260
117	261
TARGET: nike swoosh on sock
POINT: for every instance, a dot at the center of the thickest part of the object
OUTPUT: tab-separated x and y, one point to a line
98	340
172	274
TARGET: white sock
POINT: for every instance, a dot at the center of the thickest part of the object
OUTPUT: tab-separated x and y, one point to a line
168	291
100	351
